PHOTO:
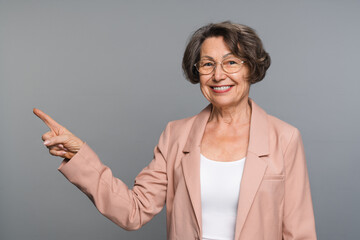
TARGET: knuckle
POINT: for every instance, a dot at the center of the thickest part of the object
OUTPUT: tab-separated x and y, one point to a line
56	140
46	136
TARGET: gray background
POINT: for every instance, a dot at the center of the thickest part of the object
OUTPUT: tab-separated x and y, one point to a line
79	62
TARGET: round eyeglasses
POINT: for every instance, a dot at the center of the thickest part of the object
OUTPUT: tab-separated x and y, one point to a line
229	65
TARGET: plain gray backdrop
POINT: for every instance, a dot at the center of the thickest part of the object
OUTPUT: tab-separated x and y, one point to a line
110	71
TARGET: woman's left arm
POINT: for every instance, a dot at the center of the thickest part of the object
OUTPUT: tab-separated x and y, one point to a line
298	219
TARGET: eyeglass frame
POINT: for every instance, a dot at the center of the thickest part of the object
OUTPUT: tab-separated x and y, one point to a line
216	64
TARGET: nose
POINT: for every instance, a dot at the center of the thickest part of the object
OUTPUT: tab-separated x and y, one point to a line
219	73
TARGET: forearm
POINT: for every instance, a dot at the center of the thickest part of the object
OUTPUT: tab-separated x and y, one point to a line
110	195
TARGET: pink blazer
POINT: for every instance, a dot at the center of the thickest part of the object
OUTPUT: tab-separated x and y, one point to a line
274	201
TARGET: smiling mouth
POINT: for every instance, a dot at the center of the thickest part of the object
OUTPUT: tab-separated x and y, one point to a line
221	89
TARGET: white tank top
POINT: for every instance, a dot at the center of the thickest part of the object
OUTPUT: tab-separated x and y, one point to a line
220	188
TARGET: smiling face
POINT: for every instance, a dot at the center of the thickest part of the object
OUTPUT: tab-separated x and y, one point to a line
222	89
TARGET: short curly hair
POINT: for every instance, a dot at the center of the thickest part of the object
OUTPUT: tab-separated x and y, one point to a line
241	40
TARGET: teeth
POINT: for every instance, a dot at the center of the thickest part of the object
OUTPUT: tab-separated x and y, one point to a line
221	88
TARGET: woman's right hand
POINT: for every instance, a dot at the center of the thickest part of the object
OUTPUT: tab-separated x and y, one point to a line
60	141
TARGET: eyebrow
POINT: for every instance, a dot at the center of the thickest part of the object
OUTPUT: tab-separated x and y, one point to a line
226	55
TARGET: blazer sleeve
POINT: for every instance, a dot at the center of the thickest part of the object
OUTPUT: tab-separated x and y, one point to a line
128	208
298	220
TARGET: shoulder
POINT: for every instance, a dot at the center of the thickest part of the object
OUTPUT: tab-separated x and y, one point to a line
190	124
279	125
190	128
279	133
181	124
176	134
282	133
181	127
270	123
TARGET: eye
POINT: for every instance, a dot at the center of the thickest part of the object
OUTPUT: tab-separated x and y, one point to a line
207	64
231	62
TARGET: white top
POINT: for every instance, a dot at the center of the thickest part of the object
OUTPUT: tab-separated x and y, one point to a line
220	188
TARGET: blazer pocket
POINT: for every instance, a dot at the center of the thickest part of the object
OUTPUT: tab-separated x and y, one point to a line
273	177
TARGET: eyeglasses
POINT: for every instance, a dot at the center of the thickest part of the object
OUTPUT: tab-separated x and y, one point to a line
229	65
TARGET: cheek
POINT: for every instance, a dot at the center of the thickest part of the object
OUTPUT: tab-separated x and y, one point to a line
202	83
244	88
241	79
205	91
205	78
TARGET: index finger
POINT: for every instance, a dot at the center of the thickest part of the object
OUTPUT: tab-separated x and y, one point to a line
51	123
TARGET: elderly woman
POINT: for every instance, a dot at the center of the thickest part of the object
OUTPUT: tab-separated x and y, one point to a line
230	172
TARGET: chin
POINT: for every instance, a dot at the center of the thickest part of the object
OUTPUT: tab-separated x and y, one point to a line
228	102
223	104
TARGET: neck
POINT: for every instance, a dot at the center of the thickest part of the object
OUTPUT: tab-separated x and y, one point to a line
238	114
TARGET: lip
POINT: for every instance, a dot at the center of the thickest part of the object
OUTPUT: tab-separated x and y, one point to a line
222	90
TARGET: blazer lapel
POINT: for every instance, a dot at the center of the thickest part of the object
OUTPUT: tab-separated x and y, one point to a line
255	166
191	161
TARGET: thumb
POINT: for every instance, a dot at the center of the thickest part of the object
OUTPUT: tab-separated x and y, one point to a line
69	142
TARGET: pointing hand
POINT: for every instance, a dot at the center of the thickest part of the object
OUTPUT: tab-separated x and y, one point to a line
60	141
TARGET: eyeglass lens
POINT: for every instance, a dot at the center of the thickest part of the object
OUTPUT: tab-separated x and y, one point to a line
229	65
